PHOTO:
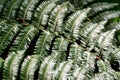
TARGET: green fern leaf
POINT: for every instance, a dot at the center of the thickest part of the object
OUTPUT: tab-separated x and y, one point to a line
75	54
101	66
1	64
26	9
61	73
43	44
47	68
104	41
107	15
86	69
82	3
101	6
90	32
114	54
60	47
11	65
24	38
110	75
7	35
73	24
42	13
114	25
30	64
3	25
11	8
2	5
57	16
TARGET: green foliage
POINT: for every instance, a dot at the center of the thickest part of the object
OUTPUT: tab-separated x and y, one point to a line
56	20
43	43
30	64
47	67
11	65
1	64
60	47
26	9
59	40
73	23
10	10
24	38
7	34
42	13
62	71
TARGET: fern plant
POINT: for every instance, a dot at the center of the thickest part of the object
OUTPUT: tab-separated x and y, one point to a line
59	40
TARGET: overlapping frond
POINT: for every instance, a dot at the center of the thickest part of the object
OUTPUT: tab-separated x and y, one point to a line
2	5
82	2
89	32
75	53
11	65
104	41
43	43
114	54
98	7
1	64
56	20
114	25
26	9
86	70
47	67
11	8
105	72
42	13
7	34
61	73
60	47
24	38
29	66
3	25
74	22
107	15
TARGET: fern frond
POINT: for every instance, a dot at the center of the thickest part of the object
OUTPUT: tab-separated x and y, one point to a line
2	5
114	25
86	70
85	73
11	8
60	47
11	65
104	41
24	38
43	44
7	35
117	37
114	55
101	66
82	3
61	73
42	13
26	9
73	24
107	75
29	66
57	16
75	54
83	63
3	25
1	64
101	6
90	32
47	68
107	15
